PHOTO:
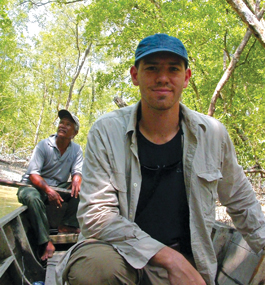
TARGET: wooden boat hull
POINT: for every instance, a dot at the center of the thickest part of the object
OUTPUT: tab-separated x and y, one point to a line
237	263
18	264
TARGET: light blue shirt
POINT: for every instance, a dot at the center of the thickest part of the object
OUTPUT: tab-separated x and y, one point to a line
53	167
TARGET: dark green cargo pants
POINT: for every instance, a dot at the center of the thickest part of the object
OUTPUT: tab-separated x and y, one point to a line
37	200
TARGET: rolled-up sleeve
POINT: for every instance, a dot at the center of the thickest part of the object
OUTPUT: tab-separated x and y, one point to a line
78	162
236	193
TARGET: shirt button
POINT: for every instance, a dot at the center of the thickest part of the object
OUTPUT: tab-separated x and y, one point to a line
135	185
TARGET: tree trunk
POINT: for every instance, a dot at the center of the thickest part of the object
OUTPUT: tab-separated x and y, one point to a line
41	115
119	102
230	69
76	76
256	26
92	99
228	72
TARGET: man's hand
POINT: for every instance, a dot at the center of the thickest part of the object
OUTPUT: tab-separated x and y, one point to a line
180	271
75	185
53	197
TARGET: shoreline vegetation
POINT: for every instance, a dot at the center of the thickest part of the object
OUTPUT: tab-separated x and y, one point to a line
15	168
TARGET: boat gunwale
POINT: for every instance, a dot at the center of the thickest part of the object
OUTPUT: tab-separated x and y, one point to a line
14	214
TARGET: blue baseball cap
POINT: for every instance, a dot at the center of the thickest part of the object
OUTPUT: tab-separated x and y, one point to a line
161	42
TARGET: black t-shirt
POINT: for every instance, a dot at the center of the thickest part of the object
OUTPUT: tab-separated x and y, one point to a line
162	209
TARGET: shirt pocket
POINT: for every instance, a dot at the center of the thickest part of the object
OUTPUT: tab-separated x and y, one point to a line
208	181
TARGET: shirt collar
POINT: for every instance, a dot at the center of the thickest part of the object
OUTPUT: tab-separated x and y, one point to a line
133	118
191	118
52	141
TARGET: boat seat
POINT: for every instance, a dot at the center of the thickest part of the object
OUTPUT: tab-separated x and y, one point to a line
64	238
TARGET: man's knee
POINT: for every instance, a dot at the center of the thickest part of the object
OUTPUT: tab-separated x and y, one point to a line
28	195
99	264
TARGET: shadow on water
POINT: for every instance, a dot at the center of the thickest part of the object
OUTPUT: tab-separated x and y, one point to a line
8	200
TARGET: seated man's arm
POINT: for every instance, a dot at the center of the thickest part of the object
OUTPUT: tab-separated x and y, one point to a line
53	197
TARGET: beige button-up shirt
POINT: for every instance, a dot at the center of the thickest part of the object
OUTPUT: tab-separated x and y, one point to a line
112	181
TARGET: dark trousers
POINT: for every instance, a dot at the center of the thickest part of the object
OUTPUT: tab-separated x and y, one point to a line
36	202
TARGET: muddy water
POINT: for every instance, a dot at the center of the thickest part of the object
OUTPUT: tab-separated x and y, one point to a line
8	200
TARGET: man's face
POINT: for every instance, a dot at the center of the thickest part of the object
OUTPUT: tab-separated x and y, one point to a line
161	78
66	128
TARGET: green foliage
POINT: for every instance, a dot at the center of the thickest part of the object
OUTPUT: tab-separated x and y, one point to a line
44	69
8	66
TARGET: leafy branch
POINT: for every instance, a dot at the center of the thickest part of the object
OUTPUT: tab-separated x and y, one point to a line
40	3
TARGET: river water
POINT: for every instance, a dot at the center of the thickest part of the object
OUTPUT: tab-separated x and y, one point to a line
8	200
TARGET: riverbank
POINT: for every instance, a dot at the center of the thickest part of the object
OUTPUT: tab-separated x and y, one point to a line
12	170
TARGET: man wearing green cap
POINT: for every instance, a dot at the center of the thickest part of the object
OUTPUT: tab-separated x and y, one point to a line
151	175
54	159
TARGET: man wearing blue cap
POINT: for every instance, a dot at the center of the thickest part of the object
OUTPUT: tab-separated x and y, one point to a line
151	175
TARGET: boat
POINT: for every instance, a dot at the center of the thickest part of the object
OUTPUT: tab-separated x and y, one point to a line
18	251
19	262
237	263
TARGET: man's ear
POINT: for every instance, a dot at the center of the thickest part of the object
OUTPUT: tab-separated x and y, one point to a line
134	75
187	77
76	132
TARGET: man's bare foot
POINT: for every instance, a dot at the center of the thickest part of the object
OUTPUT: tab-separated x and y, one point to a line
68	229
49	250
